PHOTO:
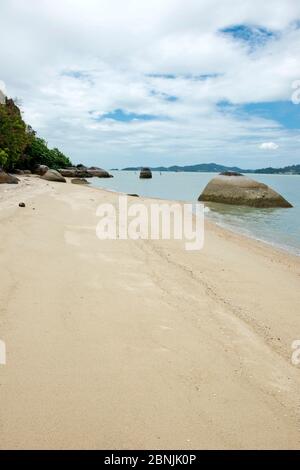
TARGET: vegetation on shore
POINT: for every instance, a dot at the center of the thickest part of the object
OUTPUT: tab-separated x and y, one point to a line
20	148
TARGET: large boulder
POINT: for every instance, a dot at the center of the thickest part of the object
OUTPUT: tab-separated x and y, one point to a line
41	170
81	167
99	172
53	175
81	171
68	172
237	189
5	178
74	172
145	173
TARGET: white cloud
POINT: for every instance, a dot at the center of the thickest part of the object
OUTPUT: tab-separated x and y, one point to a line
70	61
269	146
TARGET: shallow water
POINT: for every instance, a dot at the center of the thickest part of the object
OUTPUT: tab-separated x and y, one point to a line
280	227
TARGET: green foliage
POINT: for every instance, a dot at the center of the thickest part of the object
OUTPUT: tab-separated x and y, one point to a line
13	134
38	153
19	145
59	160
3	158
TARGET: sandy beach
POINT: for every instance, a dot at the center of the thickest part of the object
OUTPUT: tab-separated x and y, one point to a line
140	344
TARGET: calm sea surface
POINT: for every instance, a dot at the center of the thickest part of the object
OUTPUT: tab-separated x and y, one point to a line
280	227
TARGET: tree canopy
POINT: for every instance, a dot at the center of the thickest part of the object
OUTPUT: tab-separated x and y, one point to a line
19	145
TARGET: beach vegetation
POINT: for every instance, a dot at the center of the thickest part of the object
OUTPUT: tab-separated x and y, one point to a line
3	158
20	147
38	153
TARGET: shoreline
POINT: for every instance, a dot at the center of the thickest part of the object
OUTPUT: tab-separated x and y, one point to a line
285	250
140	344
277	248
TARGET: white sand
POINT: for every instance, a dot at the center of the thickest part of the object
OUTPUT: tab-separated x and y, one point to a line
140	344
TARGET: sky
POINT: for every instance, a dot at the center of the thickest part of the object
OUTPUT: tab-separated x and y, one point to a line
117	83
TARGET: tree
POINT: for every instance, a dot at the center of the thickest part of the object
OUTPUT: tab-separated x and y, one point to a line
59	160
13	135
19	145
38	153
3	158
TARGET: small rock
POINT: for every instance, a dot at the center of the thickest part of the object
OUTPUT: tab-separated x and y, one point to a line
22	204
79	181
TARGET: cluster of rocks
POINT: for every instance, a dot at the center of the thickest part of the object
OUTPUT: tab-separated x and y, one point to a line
10	179
237	189
81	171
78	173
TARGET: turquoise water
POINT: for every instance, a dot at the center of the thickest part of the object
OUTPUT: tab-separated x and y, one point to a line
280	227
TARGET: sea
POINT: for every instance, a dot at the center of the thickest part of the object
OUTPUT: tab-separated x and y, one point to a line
278	227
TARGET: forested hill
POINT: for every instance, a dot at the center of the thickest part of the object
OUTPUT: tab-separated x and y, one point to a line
20	147
215	168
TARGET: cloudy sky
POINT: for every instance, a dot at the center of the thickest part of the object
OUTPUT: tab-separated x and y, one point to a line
149	82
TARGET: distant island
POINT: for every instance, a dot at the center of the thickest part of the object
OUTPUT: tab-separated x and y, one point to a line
215	168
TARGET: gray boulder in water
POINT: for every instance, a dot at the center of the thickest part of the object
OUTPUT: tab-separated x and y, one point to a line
53	175
145	173
235	188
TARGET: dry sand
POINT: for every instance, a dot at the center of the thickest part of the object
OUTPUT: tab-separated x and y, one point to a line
140	344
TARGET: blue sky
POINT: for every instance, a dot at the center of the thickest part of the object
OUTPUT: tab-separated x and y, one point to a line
284	113
117	83
127	116
253	36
